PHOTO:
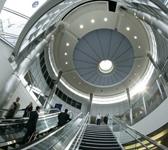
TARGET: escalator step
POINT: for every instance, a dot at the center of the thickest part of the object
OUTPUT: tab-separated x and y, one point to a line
99	148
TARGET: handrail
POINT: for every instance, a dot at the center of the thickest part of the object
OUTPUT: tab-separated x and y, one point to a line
43	117
48	136
80	132
160	146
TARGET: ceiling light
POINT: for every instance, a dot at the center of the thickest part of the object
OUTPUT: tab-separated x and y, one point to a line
128	28
135	37
65	53
105	66
67	44
66	63
81	26
105	19
139	46
92	21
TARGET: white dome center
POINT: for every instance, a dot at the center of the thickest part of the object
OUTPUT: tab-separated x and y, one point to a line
106	66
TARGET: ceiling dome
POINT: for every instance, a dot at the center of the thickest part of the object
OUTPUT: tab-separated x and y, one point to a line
103	57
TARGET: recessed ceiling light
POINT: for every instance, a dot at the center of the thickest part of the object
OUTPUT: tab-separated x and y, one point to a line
105	19
135	37
81	26
66	63
128	28
65	53
92	21
139	46
67	44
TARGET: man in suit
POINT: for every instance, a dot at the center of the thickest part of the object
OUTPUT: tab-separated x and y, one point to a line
31	124
63	118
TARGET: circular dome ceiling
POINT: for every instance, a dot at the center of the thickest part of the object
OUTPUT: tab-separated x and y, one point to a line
103	57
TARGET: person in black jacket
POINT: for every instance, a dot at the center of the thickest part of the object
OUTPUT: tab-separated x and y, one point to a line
28	110
63	118
31	124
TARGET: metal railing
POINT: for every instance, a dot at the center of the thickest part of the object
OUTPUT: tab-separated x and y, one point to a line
138	137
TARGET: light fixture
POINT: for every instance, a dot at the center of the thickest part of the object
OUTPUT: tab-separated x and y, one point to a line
105	19
135	37
128	28
65	53
139	46
66	63
67	44
92	21
105	66
81	26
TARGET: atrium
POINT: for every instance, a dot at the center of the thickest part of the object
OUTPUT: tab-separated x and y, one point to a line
106	57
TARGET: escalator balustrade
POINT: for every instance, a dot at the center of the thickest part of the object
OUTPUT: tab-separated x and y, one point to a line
11	133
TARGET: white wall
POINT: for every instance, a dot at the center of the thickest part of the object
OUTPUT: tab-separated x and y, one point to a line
5	67
6	71
150	123
115	109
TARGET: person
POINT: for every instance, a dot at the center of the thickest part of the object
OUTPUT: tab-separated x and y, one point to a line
13	109
63	118
31	124
28	110
98	119
105	119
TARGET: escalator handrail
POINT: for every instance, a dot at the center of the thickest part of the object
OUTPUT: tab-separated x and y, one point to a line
162	147
48	136
80	133
25	119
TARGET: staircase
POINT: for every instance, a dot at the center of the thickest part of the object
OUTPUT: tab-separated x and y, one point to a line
99	138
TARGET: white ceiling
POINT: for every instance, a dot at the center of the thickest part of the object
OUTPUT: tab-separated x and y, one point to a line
83	15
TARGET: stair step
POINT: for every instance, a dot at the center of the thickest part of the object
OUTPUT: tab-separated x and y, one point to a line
98	148
98	141
100	144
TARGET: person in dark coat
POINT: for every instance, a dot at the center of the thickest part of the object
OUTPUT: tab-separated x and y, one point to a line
28	110
63	118
13	109
31	124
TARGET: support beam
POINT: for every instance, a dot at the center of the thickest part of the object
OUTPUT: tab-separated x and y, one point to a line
90	102
144	104
14	80
130	107
53	90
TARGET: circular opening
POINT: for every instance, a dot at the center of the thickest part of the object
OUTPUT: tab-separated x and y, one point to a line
106	66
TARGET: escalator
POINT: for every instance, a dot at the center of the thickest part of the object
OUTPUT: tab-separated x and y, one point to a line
79	134
99	138
13	130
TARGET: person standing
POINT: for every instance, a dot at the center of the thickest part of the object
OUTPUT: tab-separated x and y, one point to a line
63	118
98	119
31	124
28	110
105	119
13	109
